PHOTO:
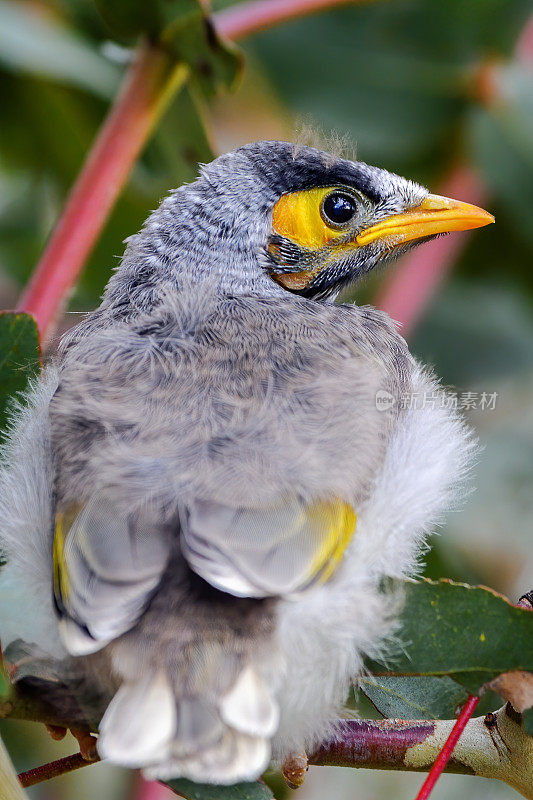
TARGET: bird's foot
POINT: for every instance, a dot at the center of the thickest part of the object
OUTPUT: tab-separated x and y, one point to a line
86	741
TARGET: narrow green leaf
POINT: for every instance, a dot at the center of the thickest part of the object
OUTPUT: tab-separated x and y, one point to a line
468	633
206	791
182	138
415	698
19	356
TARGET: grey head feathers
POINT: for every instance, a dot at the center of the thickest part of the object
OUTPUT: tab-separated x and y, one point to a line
213	233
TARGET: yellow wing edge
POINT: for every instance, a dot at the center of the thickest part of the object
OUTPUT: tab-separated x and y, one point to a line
340	520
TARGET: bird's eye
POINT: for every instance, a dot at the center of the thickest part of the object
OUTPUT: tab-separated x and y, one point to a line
337	209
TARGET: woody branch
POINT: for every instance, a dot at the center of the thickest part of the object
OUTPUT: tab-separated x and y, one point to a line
496	746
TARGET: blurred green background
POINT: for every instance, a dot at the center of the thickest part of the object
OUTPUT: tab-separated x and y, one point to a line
418	87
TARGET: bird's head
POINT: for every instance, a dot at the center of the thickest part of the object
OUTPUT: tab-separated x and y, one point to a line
336	219
272	217
329	221
352	218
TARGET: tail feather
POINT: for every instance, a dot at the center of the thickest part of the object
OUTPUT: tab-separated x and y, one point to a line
199	727
236	757
139	723
146	725
248	707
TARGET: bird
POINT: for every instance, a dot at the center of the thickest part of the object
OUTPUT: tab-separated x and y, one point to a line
211	489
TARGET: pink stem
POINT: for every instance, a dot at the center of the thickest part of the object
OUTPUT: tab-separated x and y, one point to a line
408	290
152	790
243	19
137	107
524	46
446	752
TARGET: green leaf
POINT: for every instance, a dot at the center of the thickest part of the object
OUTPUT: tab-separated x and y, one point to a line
215	62
468	633
183	27
19	356
206	791
415	698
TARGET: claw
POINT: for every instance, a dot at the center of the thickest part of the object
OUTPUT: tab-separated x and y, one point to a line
87	744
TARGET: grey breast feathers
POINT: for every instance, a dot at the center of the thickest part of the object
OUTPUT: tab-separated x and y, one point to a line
240	403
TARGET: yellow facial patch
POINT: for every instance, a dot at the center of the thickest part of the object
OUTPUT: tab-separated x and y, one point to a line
297	217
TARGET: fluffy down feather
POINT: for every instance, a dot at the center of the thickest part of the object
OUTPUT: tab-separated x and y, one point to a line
26	609
325	635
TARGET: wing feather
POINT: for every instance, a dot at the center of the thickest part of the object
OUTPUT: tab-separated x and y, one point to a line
275	551
106	565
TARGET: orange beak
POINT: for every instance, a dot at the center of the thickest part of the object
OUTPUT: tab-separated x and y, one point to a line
435	215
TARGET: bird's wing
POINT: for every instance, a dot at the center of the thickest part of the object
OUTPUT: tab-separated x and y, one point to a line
279	550
106	563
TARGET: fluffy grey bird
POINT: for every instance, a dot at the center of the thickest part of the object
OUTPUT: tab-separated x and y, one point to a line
204	493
